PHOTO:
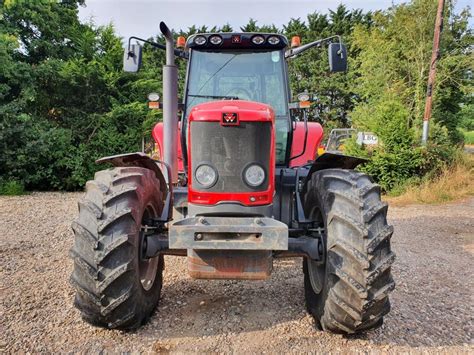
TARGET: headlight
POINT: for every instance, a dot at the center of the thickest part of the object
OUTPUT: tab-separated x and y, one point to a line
254	175
273	40
199	40
215	40
206	175
258	39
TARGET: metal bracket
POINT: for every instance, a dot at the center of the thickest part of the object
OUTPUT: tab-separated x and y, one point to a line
177	52
235	233
292	53
300	217
167	213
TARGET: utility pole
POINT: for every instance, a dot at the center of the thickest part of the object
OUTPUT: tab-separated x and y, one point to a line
431	78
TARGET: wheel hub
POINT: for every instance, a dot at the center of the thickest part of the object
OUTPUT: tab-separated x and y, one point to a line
317	269
147	267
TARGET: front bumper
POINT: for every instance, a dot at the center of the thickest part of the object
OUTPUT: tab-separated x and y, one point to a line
230	233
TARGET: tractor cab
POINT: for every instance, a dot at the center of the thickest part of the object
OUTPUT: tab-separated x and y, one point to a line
241	66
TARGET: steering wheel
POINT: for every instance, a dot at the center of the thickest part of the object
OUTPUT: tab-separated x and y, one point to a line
241	93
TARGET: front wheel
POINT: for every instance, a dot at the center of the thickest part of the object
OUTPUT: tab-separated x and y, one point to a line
115	286
349	292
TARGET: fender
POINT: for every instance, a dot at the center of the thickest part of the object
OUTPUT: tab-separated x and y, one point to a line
144	161
334	161
305	153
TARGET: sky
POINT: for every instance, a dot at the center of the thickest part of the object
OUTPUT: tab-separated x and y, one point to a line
142	17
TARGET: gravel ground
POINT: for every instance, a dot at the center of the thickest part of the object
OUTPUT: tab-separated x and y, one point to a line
432	306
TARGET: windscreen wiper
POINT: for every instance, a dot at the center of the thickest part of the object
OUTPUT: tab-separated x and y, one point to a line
216	97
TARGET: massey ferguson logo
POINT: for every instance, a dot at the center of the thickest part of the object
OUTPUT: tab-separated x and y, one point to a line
230	119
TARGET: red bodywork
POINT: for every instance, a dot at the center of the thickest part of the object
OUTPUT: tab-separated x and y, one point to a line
157	134
247	111
315	136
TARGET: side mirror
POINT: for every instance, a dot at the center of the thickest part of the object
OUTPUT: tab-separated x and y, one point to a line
337	57
132	58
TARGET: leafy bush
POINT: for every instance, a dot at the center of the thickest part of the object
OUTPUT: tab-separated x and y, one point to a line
398	158
11	188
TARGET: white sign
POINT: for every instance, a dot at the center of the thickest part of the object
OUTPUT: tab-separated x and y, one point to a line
367	138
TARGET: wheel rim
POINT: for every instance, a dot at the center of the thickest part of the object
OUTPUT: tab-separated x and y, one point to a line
147	267
316	270
316	275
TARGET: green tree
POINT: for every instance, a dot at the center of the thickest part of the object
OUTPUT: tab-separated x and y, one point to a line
310	72
394	58
64	100
61	94
392	63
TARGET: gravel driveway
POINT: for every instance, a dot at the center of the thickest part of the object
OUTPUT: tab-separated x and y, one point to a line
432	306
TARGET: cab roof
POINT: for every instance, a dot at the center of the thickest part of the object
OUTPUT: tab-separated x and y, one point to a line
237	41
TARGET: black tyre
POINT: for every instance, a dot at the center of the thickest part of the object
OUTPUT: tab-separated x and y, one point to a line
115	287
349	292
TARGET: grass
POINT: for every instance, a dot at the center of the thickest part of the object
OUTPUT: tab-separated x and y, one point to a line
454	183
468	137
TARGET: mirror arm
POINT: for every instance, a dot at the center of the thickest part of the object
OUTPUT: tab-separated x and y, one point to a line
179	53
292	53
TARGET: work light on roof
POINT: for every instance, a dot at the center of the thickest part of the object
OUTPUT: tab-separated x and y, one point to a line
258	39
200	40
215	40
273	40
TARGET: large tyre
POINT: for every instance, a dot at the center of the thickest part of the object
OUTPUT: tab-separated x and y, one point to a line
115	287
349	292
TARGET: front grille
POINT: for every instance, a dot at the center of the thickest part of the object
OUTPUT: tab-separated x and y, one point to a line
230	149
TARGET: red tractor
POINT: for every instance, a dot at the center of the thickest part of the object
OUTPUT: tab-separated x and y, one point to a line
240	184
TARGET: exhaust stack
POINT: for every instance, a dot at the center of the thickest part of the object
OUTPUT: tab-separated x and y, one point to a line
170	105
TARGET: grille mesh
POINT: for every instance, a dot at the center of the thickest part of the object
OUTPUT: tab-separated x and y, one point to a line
230	149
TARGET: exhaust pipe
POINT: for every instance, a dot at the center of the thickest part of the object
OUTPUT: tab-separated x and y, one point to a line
170	105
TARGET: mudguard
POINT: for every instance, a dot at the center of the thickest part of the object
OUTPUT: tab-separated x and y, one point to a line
142	160
334	161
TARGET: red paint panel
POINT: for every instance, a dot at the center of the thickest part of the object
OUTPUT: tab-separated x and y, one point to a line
230	264
315	136
247	111
157	134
